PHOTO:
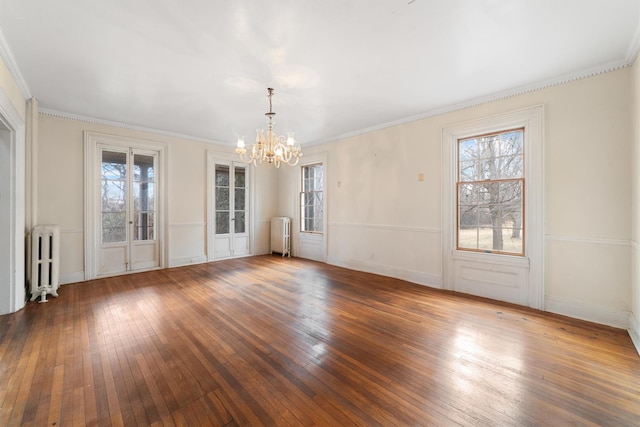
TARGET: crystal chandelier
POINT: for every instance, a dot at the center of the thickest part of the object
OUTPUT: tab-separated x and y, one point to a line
270	148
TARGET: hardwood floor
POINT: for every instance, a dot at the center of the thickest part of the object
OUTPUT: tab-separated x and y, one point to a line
288	342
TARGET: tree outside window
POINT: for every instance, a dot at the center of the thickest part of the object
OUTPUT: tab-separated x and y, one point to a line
490	193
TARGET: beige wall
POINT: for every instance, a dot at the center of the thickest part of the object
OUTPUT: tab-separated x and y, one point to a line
9	86
382	219
61	191
635	217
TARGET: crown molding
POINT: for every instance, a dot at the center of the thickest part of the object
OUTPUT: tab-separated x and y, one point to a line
12	65
121	125
632	53
497	96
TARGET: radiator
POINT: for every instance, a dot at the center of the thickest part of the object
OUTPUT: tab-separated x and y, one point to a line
44	261
280	235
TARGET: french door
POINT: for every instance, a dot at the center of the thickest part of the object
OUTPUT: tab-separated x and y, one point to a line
230	210
129	210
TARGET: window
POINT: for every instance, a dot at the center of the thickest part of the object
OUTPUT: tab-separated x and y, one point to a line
311	199
490	190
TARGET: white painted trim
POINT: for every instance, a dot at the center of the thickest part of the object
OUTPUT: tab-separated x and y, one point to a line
127	126
495	259
408	229
298	237
588	240
31	163
180	262
10	118
230	158
634	331
91	226
532	119
12	65
590	312
634	244
412	276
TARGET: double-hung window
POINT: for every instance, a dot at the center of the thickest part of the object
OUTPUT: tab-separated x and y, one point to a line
490	193
311	198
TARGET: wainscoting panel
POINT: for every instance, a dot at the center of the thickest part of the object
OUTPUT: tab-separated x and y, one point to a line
187	243
588	278
405	252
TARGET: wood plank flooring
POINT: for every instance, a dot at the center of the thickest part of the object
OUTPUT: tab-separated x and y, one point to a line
288	342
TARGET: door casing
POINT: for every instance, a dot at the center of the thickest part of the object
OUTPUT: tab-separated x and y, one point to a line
92	143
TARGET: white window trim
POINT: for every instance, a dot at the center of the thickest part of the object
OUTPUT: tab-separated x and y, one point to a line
298	235
531	119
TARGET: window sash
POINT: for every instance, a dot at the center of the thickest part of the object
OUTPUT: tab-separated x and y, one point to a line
490	212
312	199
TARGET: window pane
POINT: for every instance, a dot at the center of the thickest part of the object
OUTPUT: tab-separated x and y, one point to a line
143	168
490	193
114	165
239	223
222	222
222	175
469	171
239	177
222	198
114	227
311	198
467	217
143	196
113	196
468	149
240	199
143	226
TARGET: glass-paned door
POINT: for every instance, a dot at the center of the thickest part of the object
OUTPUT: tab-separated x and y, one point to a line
230	210
128	210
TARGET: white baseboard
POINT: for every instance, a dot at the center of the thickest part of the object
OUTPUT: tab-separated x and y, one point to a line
418	277
590	312
634	331
66	278
179	262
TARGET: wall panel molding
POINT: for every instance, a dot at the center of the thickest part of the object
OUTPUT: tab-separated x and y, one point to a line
589	240
590	312
387	227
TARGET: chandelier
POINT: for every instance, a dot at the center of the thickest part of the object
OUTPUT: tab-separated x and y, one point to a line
270	148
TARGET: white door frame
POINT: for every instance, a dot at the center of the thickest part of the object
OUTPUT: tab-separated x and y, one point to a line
531	119
311	245
213	158
12	216
92	217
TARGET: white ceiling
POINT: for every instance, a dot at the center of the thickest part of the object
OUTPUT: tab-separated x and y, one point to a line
201	68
